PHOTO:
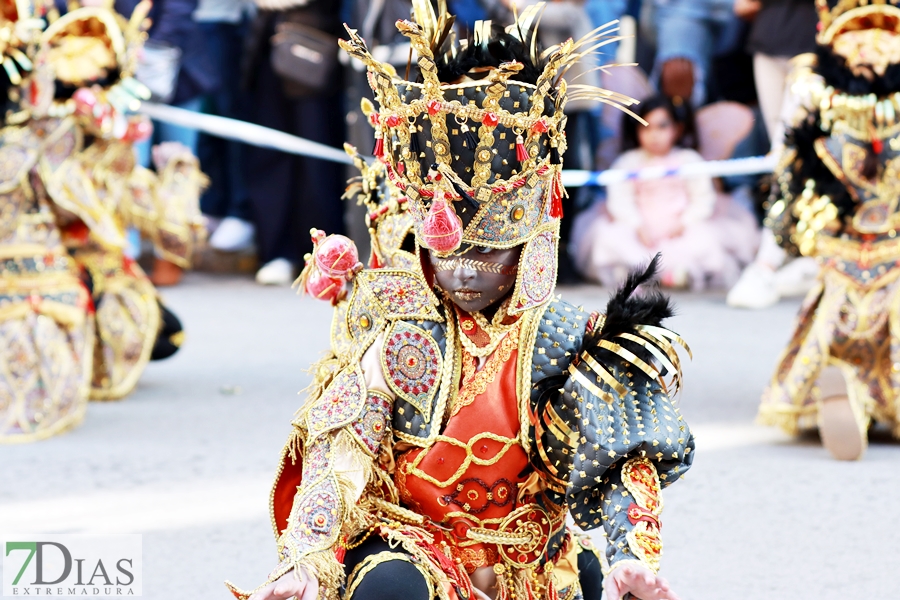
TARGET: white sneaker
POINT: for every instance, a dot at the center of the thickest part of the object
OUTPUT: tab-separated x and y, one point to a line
276	272
233	234
755	289
797	277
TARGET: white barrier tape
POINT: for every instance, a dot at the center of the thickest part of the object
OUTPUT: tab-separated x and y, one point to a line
714	168
265	137
242	131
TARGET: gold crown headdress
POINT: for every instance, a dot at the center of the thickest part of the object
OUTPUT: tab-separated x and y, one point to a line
388	221
96	45
843	16
478	156
491	145
18	29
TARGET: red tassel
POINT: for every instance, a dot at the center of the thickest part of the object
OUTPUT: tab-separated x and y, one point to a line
444	562
379	145
556	211
340	553
521	153
375	262
877	145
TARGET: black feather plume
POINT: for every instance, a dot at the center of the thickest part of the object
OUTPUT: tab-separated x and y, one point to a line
501	48
626	309
834	70
809	166
464	196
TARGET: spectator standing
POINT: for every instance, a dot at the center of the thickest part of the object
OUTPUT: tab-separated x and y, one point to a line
294	78
781	30
689	33
225	24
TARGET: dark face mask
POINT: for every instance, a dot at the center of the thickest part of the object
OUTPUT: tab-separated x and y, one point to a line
478	278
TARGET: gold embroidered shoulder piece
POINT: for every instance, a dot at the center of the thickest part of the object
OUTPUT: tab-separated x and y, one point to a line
378	297
400	294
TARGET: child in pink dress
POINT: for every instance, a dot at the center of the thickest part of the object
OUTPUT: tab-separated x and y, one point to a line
703	239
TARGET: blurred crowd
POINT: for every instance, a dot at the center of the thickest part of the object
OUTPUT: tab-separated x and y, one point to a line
711	77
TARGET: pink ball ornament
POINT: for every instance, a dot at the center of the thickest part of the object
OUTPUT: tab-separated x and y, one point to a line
337	257
442	228
322	287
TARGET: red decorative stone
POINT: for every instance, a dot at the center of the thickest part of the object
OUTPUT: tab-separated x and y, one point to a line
540	126
434	107
490	119
139	129
392	121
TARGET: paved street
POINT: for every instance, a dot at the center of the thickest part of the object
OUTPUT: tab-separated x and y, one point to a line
188	459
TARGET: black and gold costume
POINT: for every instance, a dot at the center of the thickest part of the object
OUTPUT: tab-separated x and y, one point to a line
836	199
435	444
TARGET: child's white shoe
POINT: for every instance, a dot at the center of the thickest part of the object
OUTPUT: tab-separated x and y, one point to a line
755	289
797	277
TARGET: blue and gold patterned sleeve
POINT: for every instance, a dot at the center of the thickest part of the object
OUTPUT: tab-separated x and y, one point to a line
610	437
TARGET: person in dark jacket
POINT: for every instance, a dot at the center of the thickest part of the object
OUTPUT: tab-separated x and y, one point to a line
292	194
781	30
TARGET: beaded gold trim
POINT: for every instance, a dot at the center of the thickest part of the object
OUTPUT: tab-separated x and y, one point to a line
475	381
371	562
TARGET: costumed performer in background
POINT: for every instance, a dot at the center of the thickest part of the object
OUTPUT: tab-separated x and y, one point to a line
836	199
46	314
69	158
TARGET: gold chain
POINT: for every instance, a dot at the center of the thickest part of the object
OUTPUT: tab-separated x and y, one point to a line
495	329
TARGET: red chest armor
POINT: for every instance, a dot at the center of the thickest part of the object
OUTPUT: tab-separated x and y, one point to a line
469	477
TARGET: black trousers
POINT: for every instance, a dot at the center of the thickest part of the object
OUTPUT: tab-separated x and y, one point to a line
402	580
291	194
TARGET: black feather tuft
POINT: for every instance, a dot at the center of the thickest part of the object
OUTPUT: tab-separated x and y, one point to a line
834	70
501	48
809	166
626	310
464	196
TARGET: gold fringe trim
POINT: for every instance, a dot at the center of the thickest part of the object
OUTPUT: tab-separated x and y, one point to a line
327	570
323	372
